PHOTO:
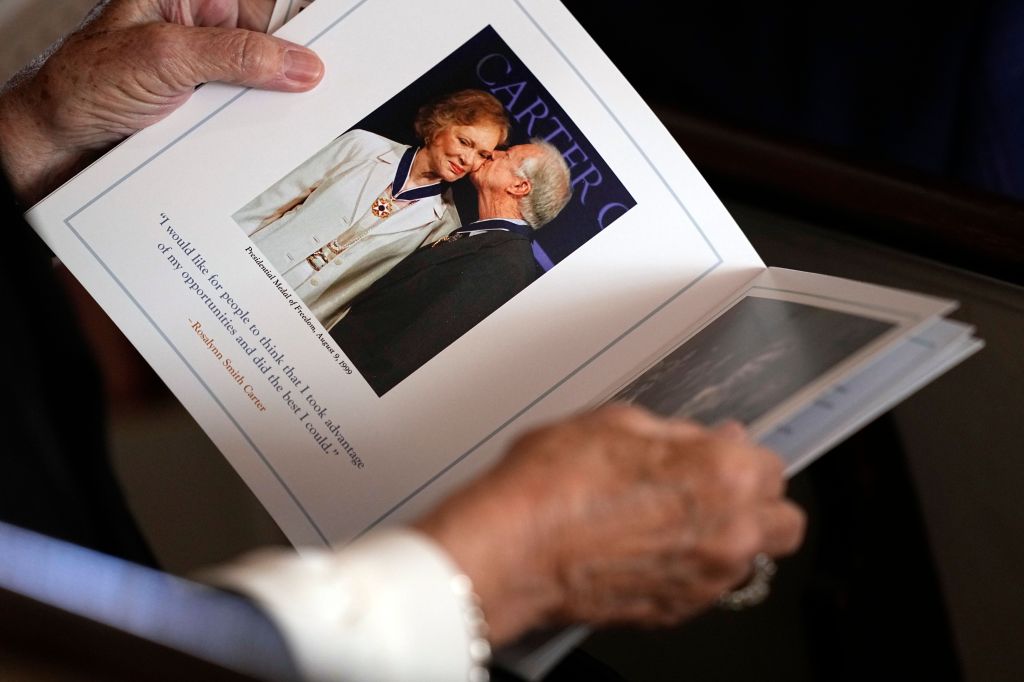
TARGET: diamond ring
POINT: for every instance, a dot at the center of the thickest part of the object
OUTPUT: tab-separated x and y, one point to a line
756	589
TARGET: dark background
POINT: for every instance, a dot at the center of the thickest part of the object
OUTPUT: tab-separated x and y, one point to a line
930	87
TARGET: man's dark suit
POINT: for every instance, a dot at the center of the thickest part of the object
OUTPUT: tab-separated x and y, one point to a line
429	300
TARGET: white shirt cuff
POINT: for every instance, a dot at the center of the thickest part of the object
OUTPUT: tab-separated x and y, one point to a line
390	606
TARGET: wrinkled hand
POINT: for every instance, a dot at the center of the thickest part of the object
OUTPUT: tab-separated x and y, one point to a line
130	64
616	517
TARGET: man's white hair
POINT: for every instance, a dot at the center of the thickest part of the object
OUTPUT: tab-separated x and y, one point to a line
550	184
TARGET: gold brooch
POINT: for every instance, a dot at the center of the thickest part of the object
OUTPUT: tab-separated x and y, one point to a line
383	206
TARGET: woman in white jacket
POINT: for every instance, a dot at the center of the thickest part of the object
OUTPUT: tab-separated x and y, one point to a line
344	218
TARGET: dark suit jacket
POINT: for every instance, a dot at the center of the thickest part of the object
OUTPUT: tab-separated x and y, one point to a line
429	300
55	479
54	473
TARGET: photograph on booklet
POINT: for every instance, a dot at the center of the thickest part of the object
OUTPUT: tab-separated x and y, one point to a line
433	211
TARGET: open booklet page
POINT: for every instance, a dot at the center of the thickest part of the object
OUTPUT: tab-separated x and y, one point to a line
802	359
246	246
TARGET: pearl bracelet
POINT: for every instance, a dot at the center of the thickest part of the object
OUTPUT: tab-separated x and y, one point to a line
476	627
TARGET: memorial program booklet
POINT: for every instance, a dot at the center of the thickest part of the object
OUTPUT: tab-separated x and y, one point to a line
649	293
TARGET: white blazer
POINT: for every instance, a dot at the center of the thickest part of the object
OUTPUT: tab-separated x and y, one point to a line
342	181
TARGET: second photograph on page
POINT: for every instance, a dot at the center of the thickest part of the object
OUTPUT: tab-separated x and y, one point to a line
757	354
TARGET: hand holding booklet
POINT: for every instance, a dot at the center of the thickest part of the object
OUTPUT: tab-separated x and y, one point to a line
357	342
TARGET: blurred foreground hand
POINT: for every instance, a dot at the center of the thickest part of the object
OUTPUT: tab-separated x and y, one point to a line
616	516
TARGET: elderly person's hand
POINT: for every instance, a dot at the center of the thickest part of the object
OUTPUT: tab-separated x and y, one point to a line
130	64
616	517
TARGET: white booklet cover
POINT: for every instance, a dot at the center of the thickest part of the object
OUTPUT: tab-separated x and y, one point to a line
644	251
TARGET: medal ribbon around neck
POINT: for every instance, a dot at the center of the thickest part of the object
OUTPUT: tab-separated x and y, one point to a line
487	225
384	205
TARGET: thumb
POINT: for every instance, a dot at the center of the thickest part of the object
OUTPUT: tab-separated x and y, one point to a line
237	56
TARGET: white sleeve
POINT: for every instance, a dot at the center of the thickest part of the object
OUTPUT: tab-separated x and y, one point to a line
355	145
390	606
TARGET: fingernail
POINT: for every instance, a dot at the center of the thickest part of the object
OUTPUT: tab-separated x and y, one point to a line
302	66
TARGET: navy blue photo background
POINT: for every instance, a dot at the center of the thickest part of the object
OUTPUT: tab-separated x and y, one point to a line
485	62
